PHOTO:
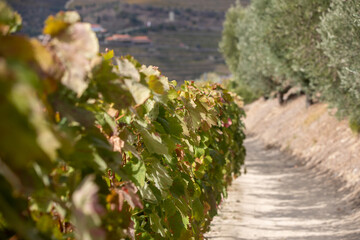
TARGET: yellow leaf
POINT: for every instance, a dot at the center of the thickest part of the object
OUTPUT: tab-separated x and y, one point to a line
155	84
54	26
109	55
158	84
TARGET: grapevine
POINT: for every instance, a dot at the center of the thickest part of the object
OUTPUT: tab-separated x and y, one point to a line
99	147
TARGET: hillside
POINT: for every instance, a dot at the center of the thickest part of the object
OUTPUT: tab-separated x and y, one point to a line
200	5
183	49
179	54
35	12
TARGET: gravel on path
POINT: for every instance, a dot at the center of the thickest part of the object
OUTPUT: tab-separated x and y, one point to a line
281	198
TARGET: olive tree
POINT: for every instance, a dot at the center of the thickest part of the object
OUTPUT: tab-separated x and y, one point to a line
293	38
340	41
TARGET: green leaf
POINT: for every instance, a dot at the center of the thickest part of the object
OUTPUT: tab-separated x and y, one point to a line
147	193
178	187
184	209
198	209
156	225
172	94
132	150
199	152
192	117
107	123
172	125
200	172
159	175
152	142
177	224
136	171
139	92
169	207
47	225
152	109
217	157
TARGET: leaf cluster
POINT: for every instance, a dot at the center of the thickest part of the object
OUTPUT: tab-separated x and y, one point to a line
99	147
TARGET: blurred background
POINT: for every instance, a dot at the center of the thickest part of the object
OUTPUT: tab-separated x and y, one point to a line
180	37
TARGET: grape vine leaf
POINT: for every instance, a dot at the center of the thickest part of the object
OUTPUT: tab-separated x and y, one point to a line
152	142
172	94
159	175
147	193
176	224
138	91
158	84
127	69
10	21
198	209
76	47
109	55
156	225
87	211
56	24
136	171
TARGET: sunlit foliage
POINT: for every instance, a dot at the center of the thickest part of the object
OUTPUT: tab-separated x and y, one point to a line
99	147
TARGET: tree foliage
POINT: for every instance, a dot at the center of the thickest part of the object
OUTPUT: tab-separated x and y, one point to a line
340	32
311	44
248	57
99	147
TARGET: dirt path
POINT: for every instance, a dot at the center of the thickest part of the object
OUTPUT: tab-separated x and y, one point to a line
280	198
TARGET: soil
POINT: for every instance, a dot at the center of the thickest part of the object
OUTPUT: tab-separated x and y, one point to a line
281	198
302	181
313	134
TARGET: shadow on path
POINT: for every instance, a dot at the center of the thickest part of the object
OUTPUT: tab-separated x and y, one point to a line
280	198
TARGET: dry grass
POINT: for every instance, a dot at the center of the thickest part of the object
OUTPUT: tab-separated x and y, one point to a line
315	114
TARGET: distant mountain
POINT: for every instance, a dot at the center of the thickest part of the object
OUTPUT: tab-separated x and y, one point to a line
35	12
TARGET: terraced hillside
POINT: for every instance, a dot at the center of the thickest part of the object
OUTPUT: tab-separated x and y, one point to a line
200	5
180	55
34	13
183	49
